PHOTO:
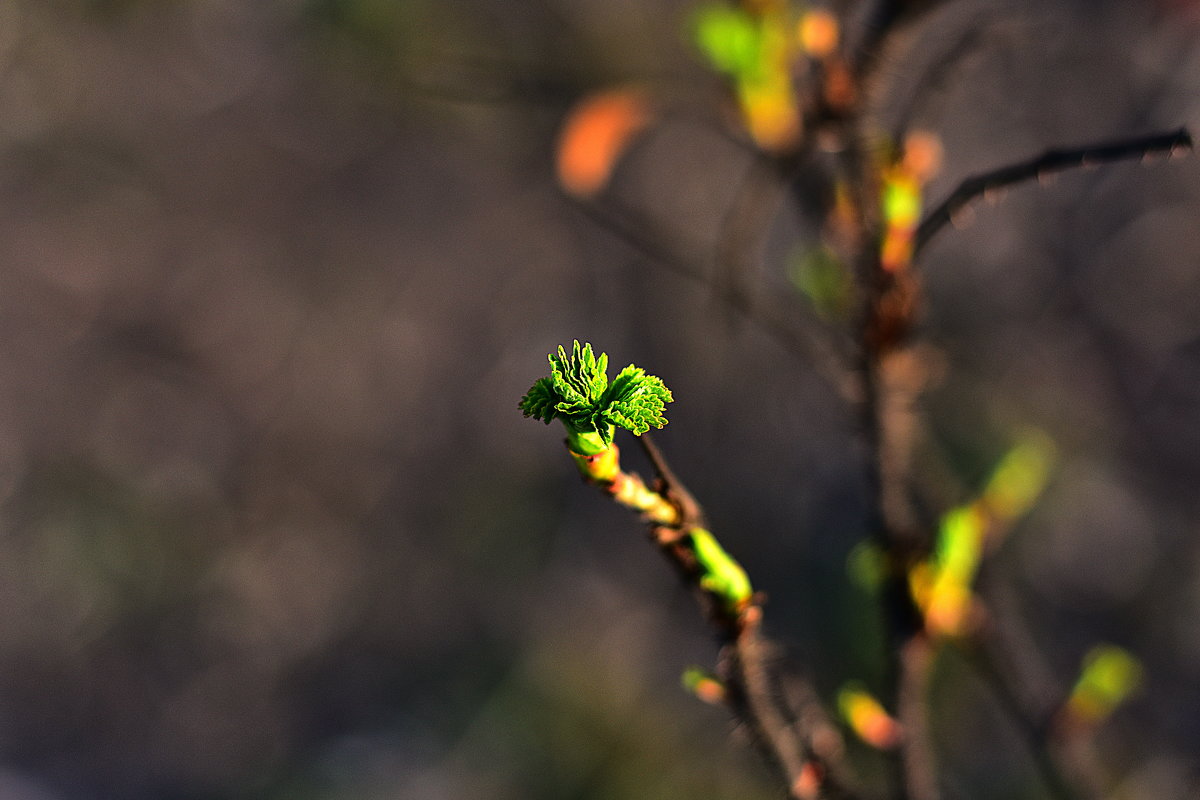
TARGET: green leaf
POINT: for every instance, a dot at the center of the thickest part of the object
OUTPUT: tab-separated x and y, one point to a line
729	38
540	401
960	543
1109	675
635	401
577	392
580	379
824	280
1021	476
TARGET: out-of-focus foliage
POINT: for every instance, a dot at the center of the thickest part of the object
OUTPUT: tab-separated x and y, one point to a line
595	137
1108	677
942	584
867	718
755	49
824	281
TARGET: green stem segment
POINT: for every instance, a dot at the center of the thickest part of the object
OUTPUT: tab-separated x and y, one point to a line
718	573
627	488
578	392
588	443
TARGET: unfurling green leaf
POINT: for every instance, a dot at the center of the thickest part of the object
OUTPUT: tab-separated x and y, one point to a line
540	401
635	401
578	393
580	379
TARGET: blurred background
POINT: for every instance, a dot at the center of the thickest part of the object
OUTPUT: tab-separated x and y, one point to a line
274	275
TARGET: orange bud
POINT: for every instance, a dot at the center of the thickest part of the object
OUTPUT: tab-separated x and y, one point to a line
841	92
595	135
922	155
704	686
808	783
867	718
818	33
896	252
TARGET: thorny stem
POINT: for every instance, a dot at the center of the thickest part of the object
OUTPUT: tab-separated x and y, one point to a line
1048	163
752	688
757	696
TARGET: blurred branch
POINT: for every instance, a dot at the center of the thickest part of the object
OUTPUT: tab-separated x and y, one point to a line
813	350
1052	161
886	480
880	21
743	228
1033	726
912	708
938	76
891	377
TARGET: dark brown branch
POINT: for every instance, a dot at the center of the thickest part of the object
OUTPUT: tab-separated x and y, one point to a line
752	684
1051	161
754	697
885	366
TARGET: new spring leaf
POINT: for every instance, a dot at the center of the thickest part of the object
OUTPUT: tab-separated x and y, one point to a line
577	391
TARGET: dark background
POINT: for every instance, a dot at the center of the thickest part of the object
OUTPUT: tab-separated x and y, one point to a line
273	277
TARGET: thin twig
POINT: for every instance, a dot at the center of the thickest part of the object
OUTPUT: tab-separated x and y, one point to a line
671	487
1051	161
1033	726
744	227
912	708
938	75
814	351
880	22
